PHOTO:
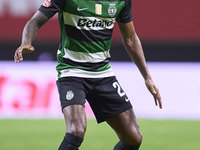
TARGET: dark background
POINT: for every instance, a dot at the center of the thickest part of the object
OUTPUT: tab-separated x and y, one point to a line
169	32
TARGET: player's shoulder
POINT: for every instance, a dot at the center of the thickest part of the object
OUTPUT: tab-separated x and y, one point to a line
54	3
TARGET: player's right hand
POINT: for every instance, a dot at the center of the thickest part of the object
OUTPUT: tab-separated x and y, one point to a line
21	50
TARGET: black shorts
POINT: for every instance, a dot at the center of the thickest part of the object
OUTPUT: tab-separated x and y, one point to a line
105	95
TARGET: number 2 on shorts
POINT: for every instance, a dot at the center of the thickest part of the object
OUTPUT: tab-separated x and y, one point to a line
116	85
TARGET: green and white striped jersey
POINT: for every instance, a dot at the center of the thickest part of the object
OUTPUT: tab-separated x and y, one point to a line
86	34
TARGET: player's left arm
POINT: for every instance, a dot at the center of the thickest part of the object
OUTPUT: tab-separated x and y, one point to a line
134	48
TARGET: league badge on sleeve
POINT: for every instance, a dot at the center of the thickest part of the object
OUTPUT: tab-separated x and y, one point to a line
47	3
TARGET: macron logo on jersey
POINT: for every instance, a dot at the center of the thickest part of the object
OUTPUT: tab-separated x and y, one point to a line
47	3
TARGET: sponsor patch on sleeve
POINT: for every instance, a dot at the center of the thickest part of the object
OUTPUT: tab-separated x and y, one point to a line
47	3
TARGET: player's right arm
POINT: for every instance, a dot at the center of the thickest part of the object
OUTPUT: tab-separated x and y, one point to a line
29	34
46	11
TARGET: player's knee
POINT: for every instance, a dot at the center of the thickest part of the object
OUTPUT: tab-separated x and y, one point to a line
136	136
135	139
138	139
78	130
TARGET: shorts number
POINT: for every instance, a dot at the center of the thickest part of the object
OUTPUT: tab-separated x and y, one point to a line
116	85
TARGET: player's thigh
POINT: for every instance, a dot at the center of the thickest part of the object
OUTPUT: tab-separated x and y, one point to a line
72	98
126	127
75	118
108	99
71	91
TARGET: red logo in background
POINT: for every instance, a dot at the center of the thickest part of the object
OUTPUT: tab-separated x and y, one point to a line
47	3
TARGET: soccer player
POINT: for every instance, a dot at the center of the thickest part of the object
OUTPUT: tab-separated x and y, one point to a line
83	66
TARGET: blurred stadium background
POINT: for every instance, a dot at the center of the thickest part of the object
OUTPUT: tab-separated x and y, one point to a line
170	35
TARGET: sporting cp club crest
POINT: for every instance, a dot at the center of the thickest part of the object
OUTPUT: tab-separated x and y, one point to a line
112	10
69	95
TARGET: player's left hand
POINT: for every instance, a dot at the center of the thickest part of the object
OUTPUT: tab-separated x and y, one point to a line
154	91
21	50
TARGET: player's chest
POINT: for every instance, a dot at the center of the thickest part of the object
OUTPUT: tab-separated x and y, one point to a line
105	9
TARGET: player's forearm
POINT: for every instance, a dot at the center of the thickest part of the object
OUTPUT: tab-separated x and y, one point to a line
32	27
29	32
134	48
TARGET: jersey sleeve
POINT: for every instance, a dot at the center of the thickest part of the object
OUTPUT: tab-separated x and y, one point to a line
51	7
126	13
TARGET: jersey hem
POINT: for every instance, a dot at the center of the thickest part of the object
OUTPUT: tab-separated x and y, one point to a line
85	74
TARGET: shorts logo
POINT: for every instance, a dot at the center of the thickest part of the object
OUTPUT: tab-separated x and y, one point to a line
69	95
112	10
47	3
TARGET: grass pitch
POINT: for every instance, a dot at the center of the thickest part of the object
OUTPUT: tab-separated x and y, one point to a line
47	135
